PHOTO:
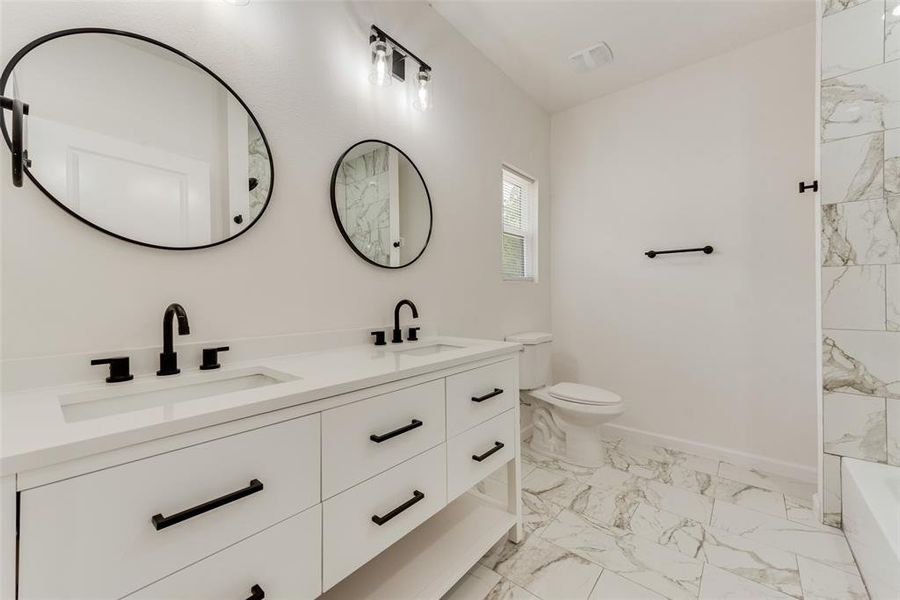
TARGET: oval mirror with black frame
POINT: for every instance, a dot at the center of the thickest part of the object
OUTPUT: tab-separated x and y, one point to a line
381	204
139	140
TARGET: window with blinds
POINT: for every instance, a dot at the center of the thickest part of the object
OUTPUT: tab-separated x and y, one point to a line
519	225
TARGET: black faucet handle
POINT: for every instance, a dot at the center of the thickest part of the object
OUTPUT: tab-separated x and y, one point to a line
211	358
379	338
413	335
119	368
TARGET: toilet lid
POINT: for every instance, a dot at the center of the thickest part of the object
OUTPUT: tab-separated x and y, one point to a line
583	394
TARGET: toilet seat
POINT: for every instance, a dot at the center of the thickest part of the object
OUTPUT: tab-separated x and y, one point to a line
583	394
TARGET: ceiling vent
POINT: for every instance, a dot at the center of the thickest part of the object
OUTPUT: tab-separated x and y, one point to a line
592	58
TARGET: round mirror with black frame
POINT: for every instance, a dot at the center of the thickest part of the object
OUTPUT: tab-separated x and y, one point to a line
138	139
381	204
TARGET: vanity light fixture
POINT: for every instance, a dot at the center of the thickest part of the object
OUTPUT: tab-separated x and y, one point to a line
388	61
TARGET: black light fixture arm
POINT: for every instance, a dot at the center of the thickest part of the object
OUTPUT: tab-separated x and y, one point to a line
378	33
19	153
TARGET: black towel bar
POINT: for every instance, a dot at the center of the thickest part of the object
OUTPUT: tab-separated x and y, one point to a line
704	250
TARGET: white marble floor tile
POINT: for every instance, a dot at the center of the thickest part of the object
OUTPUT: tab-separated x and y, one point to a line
800	511
821	582
556	465
660	569
752	560
550	571
892	144
639	455
552	486
474	585
615	587
507	590
824	546
893	295
768	481
718	584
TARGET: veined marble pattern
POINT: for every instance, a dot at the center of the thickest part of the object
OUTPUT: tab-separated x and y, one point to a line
892	149
853	39
892	277
864	362
654	553
892	30
861	233
852	169
258	167
831	478
363	199
854	426
861	102
836	6
853	297
824	583
893	431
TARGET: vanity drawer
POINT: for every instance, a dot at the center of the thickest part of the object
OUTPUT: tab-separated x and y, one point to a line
481	394
495	438
284	561
94	536
350	535
407	422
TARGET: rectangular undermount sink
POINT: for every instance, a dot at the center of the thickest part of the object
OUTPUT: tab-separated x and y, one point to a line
427	350
140	395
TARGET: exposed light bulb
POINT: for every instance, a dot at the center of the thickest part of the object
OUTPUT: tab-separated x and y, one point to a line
381	67
424	95
896	11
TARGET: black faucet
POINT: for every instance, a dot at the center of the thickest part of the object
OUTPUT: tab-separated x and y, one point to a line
398	335
168	358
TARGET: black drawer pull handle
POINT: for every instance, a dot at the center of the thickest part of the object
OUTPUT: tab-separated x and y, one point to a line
386	436
417	496
256	593
161	522
498	446
496	392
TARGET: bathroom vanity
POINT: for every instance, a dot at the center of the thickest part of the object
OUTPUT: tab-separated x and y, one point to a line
346	472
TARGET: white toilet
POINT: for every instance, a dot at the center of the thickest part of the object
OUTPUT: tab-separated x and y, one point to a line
567	415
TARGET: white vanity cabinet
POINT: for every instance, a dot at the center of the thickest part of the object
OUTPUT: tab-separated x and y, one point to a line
362	494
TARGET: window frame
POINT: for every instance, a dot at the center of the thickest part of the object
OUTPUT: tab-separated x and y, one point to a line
530	235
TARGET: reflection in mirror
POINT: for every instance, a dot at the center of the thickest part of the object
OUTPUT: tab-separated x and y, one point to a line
138	140
381	204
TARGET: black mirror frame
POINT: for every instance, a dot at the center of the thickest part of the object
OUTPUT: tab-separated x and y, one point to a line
8	69
337	218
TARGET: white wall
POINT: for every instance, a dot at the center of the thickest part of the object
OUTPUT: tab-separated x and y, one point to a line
715	349
301	67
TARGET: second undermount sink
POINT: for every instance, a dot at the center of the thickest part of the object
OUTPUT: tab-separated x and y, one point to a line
427	350
140	395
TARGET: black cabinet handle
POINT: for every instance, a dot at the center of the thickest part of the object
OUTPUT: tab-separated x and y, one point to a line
256	593
161	522
386	436
497	447
417	496
496	392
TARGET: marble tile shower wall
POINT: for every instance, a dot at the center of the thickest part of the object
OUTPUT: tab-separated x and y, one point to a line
362	191
860	195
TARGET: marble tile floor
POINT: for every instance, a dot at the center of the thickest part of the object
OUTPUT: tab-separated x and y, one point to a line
654	523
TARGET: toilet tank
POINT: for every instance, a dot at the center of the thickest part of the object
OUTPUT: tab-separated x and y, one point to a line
534	359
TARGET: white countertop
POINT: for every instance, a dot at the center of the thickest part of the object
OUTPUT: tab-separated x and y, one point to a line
35	433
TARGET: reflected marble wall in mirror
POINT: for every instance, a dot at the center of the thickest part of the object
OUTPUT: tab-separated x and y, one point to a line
381	204
139	140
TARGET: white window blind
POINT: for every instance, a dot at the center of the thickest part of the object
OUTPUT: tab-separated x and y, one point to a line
518	226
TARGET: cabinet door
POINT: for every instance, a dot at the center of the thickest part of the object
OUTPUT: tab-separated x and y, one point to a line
475	396
284	561
478	452
108	533
405	423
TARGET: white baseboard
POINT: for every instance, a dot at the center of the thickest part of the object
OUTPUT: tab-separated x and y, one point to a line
735	457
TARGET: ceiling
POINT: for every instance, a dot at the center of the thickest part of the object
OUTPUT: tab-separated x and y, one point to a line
532	40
